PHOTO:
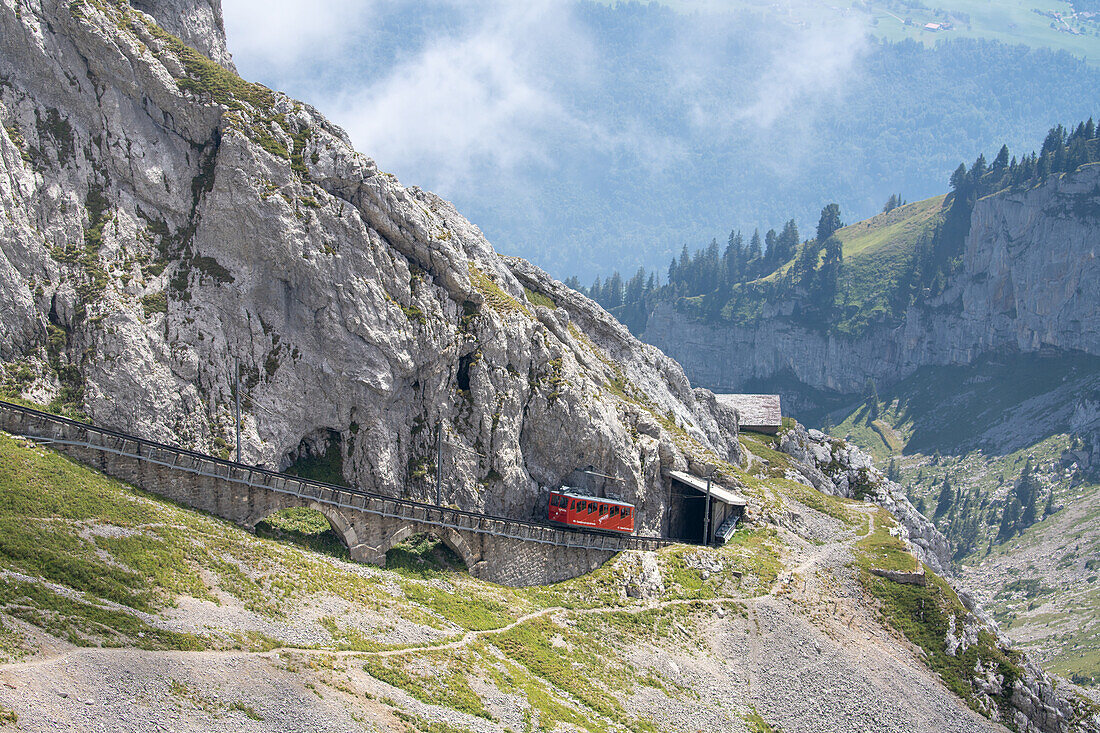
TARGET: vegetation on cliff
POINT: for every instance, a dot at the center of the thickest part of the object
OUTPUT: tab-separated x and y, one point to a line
844	279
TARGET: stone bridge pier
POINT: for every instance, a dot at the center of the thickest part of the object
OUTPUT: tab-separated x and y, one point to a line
498	559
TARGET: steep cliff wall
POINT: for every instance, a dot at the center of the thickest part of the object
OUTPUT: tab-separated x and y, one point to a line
1026	282
165	220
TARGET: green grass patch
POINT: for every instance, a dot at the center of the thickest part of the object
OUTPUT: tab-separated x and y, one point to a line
473	612
572	663
881	549
497	299
154	303
424	556
443	682
756	723
536	298
305	527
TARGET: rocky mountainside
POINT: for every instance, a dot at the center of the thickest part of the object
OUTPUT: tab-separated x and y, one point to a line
1024	283
175	237
176	240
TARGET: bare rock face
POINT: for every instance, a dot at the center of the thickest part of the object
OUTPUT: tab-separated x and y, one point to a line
198	23
1027	282
174	237
836	467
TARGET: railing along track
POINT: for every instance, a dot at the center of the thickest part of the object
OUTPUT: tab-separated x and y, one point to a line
343	497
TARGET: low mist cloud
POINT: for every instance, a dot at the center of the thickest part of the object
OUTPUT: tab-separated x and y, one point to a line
487	97
280	34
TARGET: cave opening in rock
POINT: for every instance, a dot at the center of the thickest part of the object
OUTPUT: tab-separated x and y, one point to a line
319	457
463	376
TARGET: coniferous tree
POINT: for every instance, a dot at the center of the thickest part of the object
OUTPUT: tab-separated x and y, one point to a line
943	501
828	223
771	248
829	275
1010	519
788	241
1050	508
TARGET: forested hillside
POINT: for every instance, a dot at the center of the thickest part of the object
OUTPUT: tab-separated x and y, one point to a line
843	278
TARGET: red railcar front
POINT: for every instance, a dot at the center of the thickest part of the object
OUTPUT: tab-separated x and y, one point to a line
576	510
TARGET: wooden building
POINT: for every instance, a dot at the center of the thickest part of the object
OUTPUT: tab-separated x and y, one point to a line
702	511
759	413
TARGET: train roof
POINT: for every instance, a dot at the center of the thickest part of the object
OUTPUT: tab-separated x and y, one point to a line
575	494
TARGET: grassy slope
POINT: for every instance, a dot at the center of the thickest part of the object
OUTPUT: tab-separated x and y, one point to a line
978	426
126	560
93	562
877	254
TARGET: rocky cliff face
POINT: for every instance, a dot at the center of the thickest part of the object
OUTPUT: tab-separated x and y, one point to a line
171	232
1027	282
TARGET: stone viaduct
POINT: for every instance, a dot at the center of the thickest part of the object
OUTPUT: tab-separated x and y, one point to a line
498	549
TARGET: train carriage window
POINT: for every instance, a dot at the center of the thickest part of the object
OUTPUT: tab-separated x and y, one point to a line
572	504
626	511
603	509
592	507
614	511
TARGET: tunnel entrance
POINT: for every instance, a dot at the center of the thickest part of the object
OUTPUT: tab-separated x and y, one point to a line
688	518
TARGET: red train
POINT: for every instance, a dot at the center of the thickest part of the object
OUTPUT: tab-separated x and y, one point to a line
576	510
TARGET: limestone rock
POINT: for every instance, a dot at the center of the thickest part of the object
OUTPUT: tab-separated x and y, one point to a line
837	467
173	234
647	584
1027	282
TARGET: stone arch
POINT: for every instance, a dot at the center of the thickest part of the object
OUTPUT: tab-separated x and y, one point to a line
451	538
341	527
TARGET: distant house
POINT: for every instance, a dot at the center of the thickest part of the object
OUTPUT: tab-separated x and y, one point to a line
932	26
759	413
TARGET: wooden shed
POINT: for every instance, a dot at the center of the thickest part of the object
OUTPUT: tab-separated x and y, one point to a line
759	413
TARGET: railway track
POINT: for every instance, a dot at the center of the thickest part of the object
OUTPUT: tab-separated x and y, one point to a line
74	436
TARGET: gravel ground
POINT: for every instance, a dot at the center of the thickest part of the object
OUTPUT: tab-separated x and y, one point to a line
136	691
807	655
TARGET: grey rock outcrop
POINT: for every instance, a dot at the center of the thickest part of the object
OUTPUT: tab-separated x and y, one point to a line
171	231
1027	282
837	467
198	23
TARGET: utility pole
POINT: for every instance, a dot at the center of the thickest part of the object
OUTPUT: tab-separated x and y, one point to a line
706	520
237	392
439	463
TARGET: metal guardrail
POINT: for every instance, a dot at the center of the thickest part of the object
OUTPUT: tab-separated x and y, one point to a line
200	464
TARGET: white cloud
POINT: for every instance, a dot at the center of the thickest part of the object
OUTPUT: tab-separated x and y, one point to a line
805	69
280	33
485	99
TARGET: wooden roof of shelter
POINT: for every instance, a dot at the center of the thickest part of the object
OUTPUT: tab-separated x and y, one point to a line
721	493
756	410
